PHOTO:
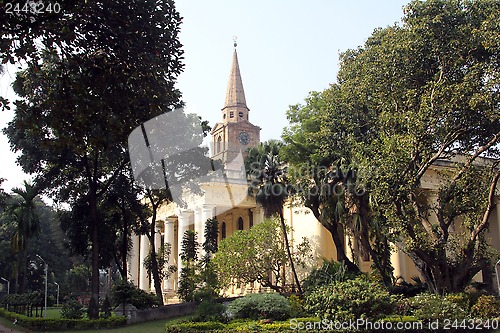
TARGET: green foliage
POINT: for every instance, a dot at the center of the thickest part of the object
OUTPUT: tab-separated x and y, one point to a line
43	324
329	272
260	246
165	270
192	327
189	248
428	307
72	310
106	308
351	299
126	292
210	310
260	306
296	306
486	307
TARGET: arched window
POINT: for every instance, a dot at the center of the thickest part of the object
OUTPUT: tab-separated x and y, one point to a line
240	223
223	230
218	145
250	218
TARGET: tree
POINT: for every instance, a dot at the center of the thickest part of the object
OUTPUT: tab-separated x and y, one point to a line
188	281
254	255
422	94
319	149
23	211
165	270
269	185
103	69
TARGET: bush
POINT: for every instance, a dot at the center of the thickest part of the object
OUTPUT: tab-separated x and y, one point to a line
126	292
194	327
330	271
260	306
43	324
72	310
297	306
487	307
209	310
428	307
350	300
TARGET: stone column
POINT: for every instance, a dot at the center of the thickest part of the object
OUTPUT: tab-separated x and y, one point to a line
207	212
133	261
398	262
183	227
143	274
199	226
169	237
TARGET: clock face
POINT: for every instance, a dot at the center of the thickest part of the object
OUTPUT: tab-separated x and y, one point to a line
244	138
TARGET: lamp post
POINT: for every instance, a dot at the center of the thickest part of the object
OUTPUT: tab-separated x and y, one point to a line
57	299
46	274
8	288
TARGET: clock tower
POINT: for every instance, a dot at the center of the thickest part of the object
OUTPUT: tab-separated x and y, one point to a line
235	133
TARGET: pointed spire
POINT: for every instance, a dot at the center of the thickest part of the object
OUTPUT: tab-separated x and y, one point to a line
235	95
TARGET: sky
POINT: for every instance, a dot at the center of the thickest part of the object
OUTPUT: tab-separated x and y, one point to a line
286	49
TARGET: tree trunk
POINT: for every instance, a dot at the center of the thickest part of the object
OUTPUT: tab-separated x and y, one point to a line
154	266
339	246
287	245
95	252
125	247
25	265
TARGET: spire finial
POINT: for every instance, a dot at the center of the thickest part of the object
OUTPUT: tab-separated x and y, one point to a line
234	40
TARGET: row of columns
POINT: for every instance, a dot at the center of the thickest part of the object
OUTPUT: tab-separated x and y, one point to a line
141	246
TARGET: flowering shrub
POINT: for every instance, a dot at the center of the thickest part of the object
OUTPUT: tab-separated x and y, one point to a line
486	307
428	307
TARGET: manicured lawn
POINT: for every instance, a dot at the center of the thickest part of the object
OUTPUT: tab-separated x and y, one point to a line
156	326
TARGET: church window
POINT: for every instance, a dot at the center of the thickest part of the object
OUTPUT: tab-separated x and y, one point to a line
240	114
224	116
223	230
240	223
231	114
250	218
218	144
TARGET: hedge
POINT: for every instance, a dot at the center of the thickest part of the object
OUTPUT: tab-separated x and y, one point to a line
44	324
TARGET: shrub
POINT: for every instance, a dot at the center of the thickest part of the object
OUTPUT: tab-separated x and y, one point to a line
209	310
297	306
428	307
44	324
72	310
487	307
260	306
126	292
329	272
194	327
352	299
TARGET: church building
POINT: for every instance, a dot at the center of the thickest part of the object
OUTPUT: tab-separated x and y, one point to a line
235	210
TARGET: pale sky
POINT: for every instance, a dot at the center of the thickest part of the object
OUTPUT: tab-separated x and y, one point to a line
286	48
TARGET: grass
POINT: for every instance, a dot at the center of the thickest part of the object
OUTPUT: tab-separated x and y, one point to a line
156	326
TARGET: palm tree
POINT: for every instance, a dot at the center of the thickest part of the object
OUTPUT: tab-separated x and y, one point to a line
270	187
23	211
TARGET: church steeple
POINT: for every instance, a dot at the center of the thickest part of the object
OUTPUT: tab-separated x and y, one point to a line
235	134
235	106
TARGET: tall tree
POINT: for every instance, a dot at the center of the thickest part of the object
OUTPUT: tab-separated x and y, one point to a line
425	94
105	68
23	211
270	187
319	150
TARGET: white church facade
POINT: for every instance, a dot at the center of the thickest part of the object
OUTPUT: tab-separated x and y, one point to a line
235	133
